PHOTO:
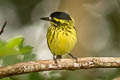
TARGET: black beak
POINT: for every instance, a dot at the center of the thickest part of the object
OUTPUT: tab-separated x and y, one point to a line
45	18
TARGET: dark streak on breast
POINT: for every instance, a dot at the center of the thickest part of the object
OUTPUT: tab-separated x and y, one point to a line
68	30
52	35
66	33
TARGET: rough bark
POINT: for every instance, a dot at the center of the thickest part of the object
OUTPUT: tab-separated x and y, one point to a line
63	64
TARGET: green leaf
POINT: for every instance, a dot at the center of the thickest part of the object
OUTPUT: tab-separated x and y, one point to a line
14	46
26	49
16	42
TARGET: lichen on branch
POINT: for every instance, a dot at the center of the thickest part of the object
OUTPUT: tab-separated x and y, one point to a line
63	64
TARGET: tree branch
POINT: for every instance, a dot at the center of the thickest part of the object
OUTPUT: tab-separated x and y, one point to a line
63	64
3	27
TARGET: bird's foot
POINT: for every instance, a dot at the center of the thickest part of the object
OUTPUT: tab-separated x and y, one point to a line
55	60
73	57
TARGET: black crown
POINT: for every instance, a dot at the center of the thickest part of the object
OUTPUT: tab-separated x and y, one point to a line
60	15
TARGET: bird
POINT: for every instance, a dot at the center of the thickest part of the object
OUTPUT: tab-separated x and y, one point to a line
61	34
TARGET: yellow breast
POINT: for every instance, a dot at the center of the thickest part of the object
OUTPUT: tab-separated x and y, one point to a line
61	41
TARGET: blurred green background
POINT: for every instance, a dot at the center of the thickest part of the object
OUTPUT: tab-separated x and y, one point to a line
98	29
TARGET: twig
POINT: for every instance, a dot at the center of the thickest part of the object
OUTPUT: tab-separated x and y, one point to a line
63	64
3	27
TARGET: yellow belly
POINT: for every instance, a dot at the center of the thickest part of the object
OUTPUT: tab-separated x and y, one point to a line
62	43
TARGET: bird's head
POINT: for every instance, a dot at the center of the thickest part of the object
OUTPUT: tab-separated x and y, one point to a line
59	18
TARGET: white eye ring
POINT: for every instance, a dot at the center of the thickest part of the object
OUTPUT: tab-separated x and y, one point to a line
49	18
